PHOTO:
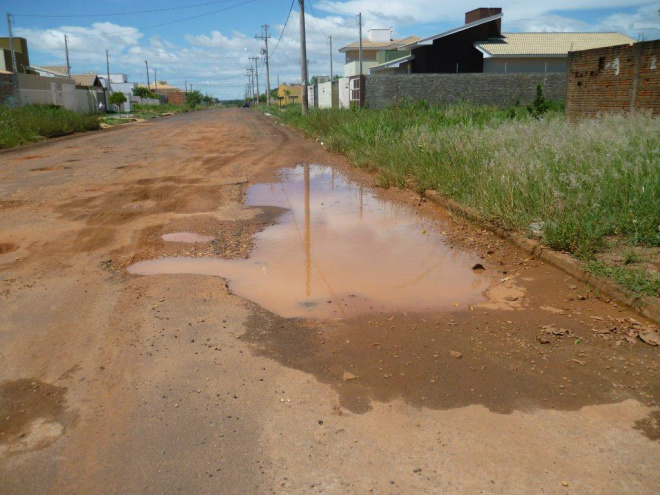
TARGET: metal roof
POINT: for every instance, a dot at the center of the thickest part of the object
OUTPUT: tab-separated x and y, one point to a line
551	44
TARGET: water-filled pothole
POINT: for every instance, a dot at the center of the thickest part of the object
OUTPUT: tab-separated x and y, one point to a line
340	251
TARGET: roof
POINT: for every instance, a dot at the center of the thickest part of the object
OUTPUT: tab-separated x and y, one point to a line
431	39
380	45
57	70
392	63
85	79
161	87
557	44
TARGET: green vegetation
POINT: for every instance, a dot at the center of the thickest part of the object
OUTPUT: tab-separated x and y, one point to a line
35	123
118	99
635	279
143	92
582	183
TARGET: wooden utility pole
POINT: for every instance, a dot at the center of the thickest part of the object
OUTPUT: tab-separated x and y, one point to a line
265	36
66	49
11	45
147	65
303	59
107	68
330	57
155	79
256	72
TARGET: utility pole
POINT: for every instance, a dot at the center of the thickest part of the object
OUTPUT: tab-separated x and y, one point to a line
156	79
66	48
256	71
107	68
303	59
11	46
330	57
360	22
185	85
147	64
265	36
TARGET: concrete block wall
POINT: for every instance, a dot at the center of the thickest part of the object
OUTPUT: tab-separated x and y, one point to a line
616	79
487	89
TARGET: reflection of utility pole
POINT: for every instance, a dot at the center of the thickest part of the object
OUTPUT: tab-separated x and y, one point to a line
308	236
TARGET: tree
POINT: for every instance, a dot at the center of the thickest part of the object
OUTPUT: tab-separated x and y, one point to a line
540	105
144	92
118	99
194	98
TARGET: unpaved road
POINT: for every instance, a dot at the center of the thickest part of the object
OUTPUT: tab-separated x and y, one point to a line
112	383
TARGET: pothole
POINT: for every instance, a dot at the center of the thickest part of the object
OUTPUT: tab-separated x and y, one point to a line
340	251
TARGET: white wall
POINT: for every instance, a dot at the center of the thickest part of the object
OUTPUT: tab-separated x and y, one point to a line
344	94
325	95
522	65
60	91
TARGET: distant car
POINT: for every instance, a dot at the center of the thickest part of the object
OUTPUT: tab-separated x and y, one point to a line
246	104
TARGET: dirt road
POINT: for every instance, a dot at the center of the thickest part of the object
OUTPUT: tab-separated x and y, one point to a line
511	380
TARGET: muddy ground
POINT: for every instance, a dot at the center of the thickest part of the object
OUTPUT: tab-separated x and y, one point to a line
112	383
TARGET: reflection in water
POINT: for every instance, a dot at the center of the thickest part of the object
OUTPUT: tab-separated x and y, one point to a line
352	253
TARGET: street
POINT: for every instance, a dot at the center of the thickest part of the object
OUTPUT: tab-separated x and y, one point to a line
322	335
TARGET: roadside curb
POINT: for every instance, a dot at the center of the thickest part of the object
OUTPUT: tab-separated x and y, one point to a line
644	305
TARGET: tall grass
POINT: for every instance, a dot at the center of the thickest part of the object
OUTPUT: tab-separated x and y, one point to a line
582	182
37	122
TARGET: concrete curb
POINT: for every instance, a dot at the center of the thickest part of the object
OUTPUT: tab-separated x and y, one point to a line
644	305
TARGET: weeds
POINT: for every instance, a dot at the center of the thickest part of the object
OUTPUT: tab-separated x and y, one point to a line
635	279
584	182
37	122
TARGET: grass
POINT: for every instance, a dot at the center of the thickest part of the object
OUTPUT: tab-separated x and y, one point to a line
637	280
581	182
37	122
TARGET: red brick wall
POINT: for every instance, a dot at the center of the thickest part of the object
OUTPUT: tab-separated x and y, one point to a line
615	79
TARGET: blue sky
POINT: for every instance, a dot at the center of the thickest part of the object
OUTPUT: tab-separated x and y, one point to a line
209	50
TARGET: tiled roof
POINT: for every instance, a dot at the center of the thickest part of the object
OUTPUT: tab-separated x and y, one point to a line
84	79
162	87
59	70
513	44
380	45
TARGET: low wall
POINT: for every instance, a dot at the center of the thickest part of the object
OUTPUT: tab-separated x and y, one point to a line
616	79
344	97
328	94
487	89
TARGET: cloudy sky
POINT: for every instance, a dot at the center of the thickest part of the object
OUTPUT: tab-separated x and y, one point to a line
205	41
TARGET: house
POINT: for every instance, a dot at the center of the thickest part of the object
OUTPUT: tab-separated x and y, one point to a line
175	96
20	53
289	93
480	46
378	48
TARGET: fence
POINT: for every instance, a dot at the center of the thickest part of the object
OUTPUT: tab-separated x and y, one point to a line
489	89
29	89
617	79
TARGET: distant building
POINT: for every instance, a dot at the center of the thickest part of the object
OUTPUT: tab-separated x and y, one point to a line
480	46
174	95
377	48
20	52
289	93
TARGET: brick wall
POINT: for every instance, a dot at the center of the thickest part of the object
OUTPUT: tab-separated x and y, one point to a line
615	79
487	89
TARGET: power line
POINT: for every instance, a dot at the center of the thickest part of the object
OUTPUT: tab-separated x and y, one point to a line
335	8
311	6
283	29
125	13
132	30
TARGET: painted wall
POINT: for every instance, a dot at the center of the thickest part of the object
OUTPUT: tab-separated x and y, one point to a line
525	65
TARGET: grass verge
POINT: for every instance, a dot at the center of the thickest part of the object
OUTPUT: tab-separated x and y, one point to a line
577	184
37	122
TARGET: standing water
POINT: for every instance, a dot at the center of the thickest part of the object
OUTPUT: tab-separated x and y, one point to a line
339	251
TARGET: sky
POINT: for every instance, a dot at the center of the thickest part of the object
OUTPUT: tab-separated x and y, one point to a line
207	42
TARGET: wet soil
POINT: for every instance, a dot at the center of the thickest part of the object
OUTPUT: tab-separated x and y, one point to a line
160	384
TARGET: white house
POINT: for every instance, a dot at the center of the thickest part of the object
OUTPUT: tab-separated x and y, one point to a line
377	48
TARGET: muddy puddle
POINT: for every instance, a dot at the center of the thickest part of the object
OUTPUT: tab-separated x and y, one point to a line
338	251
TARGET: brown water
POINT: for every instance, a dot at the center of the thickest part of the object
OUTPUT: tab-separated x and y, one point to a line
340	251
